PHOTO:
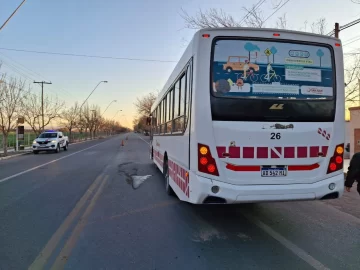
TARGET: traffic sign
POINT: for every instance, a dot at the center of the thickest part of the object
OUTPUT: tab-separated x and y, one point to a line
20	120
267	52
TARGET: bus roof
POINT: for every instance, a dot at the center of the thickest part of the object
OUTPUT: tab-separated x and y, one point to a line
266	30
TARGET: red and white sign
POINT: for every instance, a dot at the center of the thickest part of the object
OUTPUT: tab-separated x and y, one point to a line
317	90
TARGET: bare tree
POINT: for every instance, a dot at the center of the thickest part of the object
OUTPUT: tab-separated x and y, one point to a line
254	17
319	26
70	117
143	104
90	115
281	22
352	77
11	95
209	19
214	18
31	110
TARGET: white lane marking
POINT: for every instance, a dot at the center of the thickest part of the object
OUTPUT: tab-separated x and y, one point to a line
302	254
42	165
143	139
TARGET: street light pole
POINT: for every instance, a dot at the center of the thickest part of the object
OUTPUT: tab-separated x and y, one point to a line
91	93
109	106
117	113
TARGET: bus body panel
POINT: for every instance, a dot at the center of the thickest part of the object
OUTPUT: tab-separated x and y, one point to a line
245	186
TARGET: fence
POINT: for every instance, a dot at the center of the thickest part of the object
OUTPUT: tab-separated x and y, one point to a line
29	137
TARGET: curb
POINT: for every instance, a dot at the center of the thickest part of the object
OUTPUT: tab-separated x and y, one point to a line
12	156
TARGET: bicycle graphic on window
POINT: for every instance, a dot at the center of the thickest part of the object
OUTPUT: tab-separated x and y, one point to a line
271	76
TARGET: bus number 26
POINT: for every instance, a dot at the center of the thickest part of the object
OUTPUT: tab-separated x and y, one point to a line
275	136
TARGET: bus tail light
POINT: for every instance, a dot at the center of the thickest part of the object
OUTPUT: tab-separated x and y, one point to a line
336	161
206	163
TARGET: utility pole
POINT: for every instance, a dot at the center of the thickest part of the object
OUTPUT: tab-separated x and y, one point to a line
337	30
42	101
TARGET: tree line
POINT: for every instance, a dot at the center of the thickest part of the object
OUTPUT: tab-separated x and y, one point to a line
17	100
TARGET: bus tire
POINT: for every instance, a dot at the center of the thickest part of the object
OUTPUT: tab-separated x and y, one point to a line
168	188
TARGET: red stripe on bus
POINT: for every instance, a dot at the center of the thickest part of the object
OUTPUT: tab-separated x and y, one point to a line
249	168
314	151
262	152
289	152
303	167
302	151
273	154
178	174
234	152
246	168
248	152
220	151
324	150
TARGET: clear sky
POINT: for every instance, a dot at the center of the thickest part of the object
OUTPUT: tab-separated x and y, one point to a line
133	29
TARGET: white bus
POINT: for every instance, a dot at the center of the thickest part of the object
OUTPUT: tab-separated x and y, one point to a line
251	115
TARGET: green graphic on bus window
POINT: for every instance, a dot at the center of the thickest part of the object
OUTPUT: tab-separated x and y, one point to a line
243	68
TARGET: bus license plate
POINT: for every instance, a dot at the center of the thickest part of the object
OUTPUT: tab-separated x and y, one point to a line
273	172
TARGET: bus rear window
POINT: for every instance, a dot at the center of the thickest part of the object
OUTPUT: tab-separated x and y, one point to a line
254	69
272	80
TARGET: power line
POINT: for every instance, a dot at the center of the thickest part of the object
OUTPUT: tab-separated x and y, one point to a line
349	24
351	42
31	73
351	39
24	67
345	26
253	9
90	56
30	77
12	14
276	10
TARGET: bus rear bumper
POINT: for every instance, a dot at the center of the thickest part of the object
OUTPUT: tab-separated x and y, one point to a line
201	191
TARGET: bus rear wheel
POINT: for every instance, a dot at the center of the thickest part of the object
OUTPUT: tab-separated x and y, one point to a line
168	188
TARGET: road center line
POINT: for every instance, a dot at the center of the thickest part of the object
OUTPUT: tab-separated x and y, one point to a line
45	254
286	243
64	254
42	165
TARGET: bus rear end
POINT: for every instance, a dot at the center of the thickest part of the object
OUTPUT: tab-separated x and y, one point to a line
277	118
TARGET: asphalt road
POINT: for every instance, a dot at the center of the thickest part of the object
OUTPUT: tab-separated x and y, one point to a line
84	209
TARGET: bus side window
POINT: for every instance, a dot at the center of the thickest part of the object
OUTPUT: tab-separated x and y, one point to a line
187	95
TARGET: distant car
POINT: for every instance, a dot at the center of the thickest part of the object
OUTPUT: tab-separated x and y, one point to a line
50	141
237	63
146	133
